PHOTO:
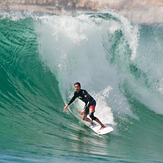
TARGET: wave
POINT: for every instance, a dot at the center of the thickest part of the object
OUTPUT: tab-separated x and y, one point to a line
120	65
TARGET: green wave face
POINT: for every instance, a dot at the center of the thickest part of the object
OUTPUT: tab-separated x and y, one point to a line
118	63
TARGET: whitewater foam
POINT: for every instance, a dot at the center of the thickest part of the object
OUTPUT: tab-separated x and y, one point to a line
72	47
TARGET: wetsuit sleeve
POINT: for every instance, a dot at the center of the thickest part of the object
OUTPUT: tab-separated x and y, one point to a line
73	98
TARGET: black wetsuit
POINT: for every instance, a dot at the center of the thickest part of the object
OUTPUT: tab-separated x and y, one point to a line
87	99
82	95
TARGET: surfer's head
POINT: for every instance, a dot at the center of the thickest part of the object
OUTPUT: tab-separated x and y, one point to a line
77	86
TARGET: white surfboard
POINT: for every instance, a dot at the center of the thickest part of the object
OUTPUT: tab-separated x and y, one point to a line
106	130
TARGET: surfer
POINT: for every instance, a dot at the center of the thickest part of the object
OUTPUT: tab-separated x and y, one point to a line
89	107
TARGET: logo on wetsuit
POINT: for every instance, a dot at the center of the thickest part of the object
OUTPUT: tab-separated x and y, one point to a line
80	97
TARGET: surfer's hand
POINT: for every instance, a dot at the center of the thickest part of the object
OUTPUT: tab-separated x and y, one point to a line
82	112
65	107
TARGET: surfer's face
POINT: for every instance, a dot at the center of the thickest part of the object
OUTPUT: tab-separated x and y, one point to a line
77	87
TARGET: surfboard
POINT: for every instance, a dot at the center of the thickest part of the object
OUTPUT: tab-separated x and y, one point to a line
106	130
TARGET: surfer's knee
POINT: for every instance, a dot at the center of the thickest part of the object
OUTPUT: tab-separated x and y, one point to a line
92	116
83	117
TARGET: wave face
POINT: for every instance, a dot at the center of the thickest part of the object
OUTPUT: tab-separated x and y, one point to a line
118	63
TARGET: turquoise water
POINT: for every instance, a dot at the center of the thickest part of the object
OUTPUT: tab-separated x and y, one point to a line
119	63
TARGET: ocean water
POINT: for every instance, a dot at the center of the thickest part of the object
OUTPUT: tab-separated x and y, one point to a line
120	64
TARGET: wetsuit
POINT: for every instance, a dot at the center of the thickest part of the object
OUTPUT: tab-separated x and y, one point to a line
86	98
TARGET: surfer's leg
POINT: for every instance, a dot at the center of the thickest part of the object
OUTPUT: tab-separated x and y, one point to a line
98	121
85	114
84	117
91	112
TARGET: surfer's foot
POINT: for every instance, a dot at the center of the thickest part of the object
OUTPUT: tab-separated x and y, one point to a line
92	124
102	127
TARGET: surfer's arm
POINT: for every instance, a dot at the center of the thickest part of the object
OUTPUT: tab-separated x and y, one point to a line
72	100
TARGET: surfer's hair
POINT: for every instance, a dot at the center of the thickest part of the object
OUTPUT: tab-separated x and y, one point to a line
77	84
